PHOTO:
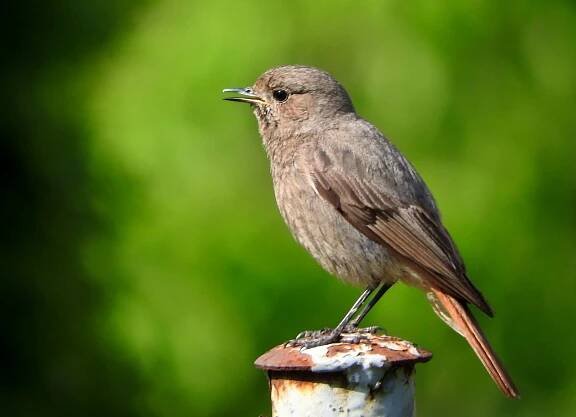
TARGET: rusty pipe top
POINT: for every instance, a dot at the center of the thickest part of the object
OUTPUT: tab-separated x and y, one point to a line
379	351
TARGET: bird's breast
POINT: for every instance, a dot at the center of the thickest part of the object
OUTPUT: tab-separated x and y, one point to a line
339	248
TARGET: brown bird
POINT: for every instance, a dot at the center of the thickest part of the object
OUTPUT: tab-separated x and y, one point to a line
358	206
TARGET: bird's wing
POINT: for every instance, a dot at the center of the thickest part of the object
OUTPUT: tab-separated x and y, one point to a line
365	196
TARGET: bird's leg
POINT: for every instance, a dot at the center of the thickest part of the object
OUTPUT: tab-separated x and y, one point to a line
323	337
358	319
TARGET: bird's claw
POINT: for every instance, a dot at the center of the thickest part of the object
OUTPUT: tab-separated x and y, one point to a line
313	338
303	338
312	333
362	330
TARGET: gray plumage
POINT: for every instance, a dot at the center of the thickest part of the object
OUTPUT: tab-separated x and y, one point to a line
354	201
344	189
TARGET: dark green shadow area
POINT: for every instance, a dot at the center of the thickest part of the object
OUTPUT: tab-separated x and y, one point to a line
53	358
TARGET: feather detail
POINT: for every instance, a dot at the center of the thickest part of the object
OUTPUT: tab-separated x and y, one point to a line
456	315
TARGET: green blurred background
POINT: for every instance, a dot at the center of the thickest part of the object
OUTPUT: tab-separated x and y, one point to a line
144	264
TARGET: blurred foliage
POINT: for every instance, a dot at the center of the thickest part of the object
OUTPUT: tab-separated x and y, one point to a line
144	264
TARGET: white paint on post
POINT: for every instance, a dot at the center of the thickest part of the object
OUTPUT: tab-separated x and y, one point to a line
378	393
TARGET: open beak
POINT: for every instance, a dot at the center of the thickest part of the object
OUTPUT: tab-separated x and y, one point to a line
247	95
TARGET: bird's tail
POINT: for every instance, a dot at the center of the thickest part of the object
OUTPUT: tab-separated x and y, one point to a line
457	316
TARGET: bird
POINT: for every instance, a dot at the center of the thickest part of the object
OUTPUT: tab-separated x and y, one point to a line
358	206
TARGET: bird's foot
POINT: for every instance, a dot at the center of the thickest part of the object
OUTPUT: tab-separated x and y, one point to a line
313	338
362	330
311	334
353	334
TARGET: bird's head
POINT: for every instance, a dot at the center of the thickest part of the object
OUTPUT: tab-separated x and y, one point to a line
292	96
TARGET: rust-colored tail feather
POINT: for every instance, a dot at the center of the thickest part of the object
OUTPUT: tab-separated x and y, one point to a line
457	316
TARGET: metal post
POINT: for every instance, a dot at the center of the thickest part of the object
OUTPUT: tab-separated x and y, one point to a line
364	375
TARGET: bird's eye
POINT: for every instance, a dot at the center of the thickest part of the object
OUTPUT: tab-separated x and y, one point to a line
280	95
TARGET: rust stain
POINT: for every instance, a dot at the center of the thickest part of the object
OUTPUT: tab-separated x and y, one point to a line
283	358
334	379
339	348
280	386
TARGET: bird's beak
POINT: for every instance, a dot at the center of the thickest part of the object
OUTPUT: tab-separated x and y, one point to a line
247	95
